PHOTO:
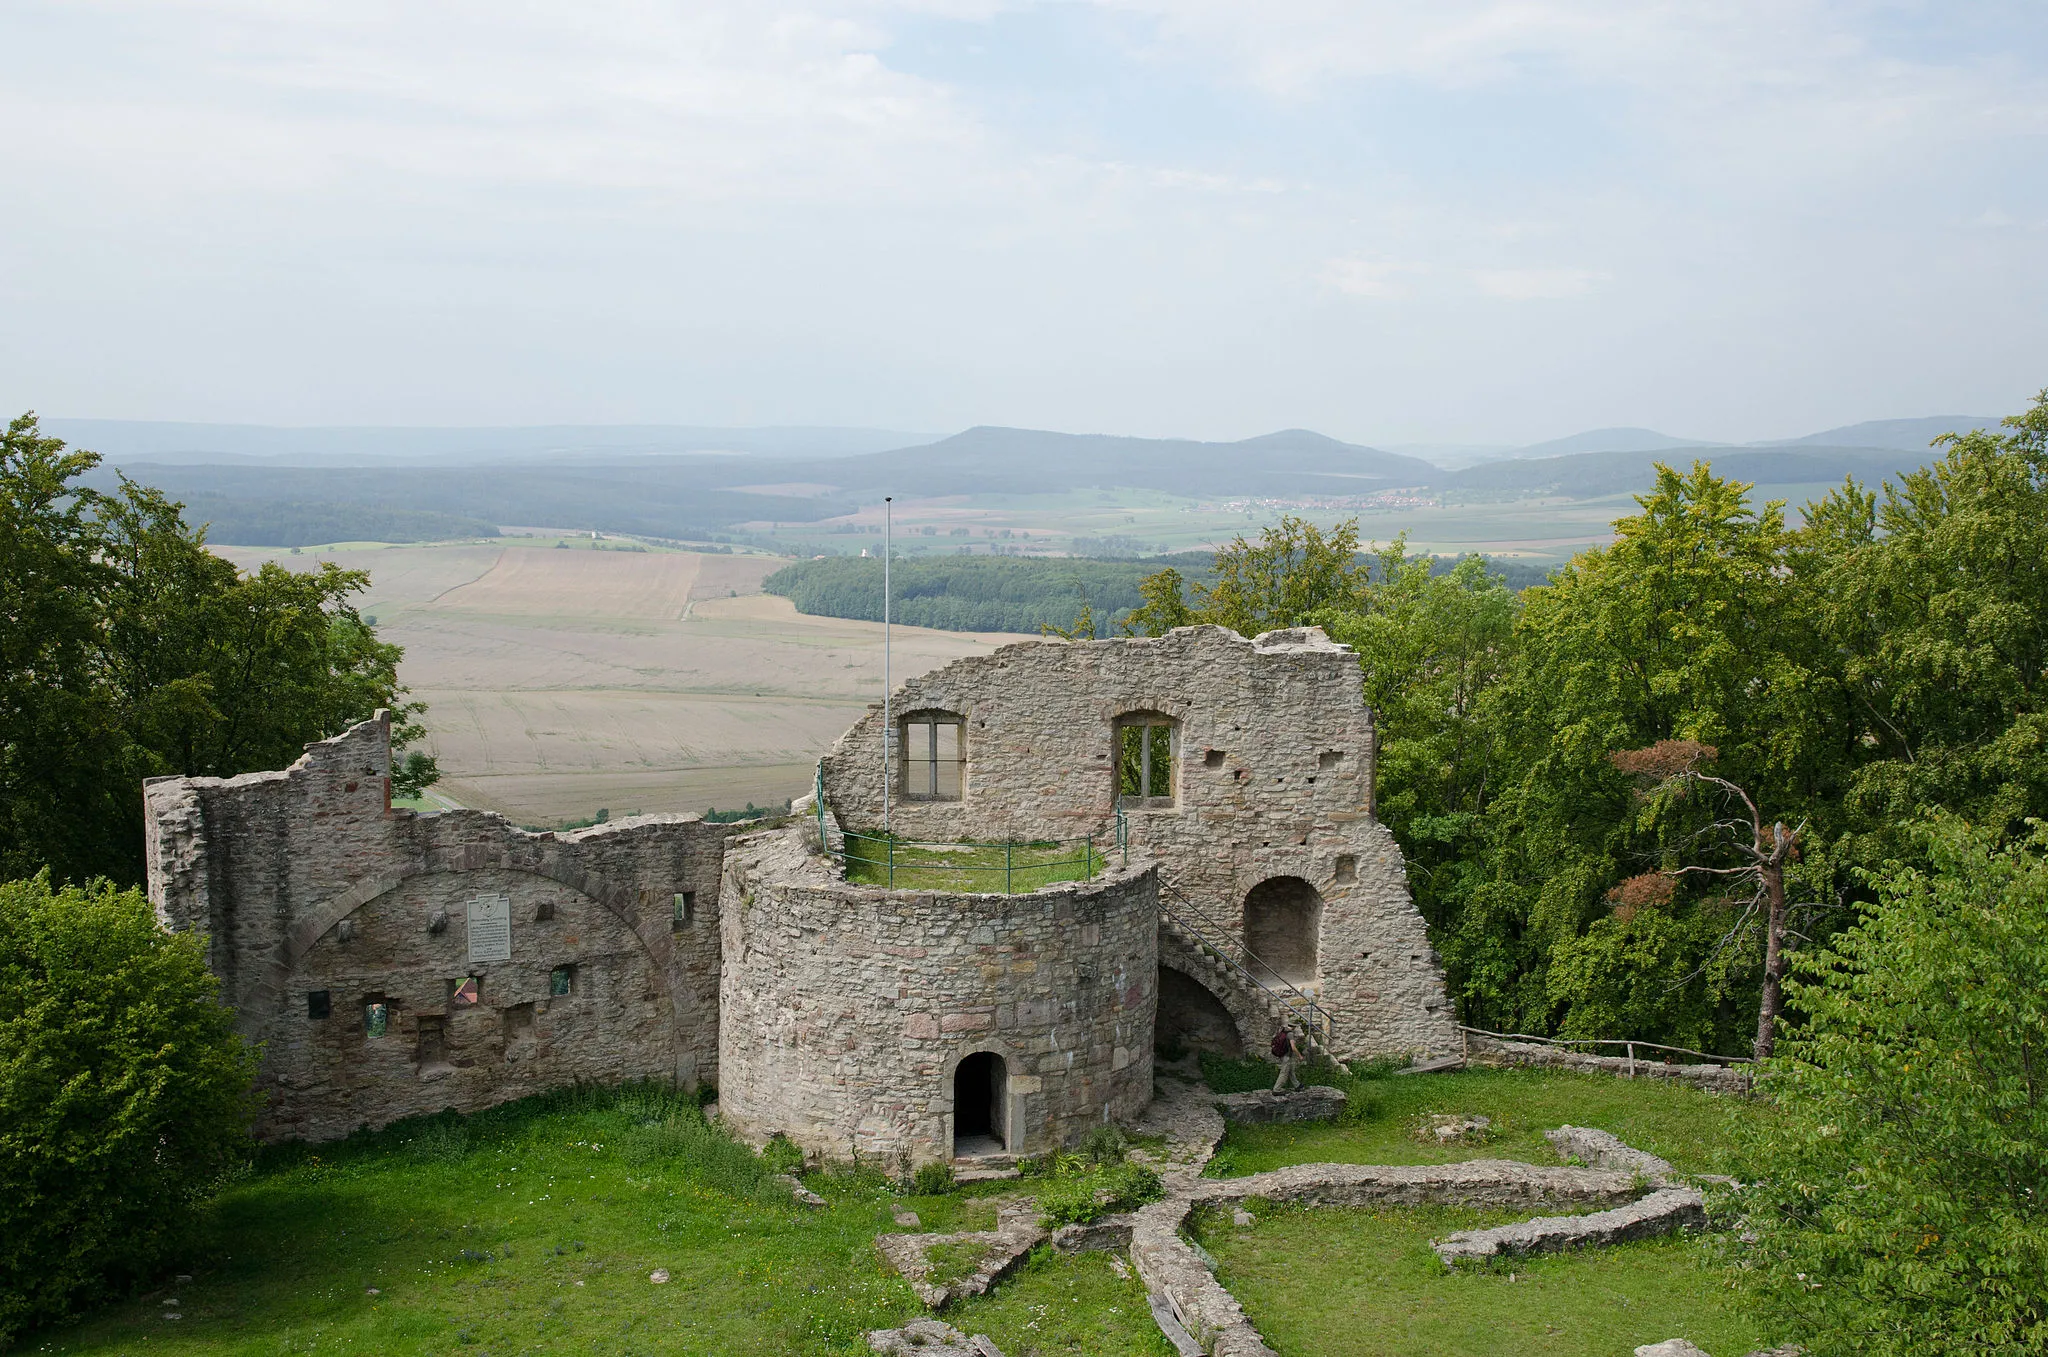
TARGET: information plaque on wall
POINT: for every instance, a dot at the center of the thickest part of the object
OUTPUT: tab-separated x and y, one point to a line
490	928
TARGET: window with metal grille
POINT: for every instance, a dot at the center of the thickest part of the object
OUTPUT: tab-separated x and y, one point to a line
930	765
1144	761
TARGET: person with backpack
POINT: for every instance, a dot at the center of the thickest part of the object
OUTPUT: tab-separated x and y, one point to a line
1288	1052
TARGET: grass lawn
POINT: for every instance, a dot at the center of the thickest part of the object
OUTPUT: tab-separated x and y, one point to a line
1679	1123
534	1228
1009	868
1363	1283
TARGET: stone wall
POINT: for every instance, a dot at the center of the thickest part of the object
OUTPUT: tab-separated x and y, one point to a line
848	1008
313	892
1272	780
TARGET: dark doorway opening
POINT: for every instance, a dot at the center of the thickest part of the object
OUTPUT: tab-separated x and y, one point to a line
981	1087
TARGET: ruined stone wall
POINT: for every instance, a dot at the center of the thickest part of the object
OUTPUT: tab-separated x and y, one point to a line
1273	778
311	889
847	1008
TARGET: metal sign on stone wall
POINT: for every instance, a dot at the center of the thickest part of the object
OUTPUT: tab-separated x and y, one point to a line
490	928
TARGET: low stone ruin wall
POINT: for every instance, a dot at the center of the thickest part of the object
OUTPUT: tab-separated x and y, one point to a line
1713	1078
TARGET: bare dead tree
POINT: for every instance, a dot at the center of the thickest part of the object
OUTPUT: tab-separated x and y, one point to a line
1675	765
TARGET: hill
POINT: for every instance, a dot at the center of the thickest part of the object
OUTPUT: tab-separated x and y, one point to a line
1609	440
1905	435
1591	475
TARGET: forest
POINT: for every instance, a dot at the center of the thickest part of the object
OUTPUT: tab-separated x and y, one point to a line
1019	593
1630	796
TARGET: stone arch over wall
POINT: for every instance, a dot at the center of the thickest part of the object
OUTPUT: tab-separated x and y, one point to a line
1192	1018
1283	919
651	927
1247	1010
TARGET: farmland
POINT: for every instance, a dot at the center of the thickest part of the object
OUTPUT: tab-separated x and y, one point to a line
565	679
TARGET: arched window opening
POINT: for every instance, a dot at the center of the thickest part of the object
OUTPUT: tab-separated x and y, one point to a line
981	1096
1145	748
934	750
1282	919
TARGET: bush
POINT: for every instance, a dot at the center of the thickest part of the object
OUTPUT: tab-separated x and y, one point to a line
1080	1198
1896	1204
932	1180
124	1095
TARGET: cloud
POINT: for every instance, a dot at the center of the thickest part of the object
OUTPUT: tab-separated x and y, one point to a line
1368	277
1528	285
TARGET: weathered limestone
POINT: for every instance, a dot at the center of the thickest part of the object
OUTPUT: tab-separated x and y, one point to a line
1475	1182
1663	1211
847	1009
1018	1231
1264	1106
1271	786
1713	1078
1174	1272
930	1338
1603	1149
394	964
318	900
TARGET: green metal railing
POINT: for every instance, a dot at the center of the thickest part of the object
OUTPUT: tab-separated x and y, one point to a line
967	866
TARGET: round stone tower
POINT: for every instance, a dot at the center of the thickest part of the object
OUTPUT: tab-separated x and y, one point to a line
923	1025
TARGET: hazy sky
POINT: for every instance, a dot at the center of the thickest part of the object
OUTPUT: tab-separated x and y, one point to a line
1445	221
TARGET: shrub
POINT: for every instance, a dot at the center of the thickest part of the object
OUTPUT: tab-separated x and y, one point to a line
124	1094
1896	1204
932	1180
1080	1198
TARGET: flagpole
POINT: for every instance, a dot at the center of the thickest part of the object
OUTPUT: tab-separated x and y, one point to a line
888	726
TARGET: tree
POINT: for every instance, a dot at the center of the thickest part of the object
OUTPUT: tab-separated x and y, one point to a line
124	1094
132	651
1674	768
1893	1203
1292	572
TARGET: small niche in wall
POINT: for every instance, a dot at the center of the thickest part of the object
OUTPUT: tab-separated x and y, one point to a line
466	992
376	1017
1347	870
544	911
518	1023
1328	759
685	910
1213	759
432	1051
318	1004
561	982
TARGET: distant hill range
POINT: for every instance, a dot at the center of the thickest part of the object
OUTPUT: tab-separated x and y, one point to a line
291	487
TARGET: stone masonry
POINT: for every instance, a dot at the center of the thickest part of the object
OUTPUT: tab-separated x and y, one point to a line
319	901
847	1009
393	963
1271	787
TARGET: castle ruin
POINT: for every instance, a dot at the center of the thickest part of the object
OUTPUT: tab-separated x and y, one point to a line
394	963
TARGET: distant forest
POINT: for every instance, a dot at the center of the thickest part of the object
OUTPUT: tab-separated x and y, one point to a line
295	523
1005	593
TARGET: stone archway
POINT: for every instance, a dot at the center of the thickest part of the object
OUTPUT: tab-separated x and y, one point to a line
1283	921
1190	1018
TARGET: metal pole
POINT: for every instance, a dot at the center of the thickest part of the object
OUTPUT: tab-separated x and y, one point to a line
888	727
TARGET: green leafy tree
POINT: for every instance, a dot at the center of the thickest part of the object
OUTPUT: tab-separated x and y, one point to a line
1934	593
132	651
1292	572
1433	648
124	1094
1894	1204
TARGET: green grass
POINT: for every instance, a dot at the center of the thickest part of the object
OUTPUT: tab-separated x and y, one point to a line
969	867
1363	1283
533	1228
1679	1123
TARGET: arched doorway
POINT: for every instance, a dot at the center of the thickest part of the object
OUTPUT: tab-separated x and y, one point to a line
1190	1018
1282	919
981	1105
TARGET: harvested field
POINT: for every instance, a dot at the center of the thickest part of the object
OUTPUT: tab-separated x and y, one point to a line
559	682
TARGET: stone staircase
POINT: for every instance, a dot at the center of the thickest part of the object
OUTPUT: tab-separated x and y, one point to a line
1198	946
